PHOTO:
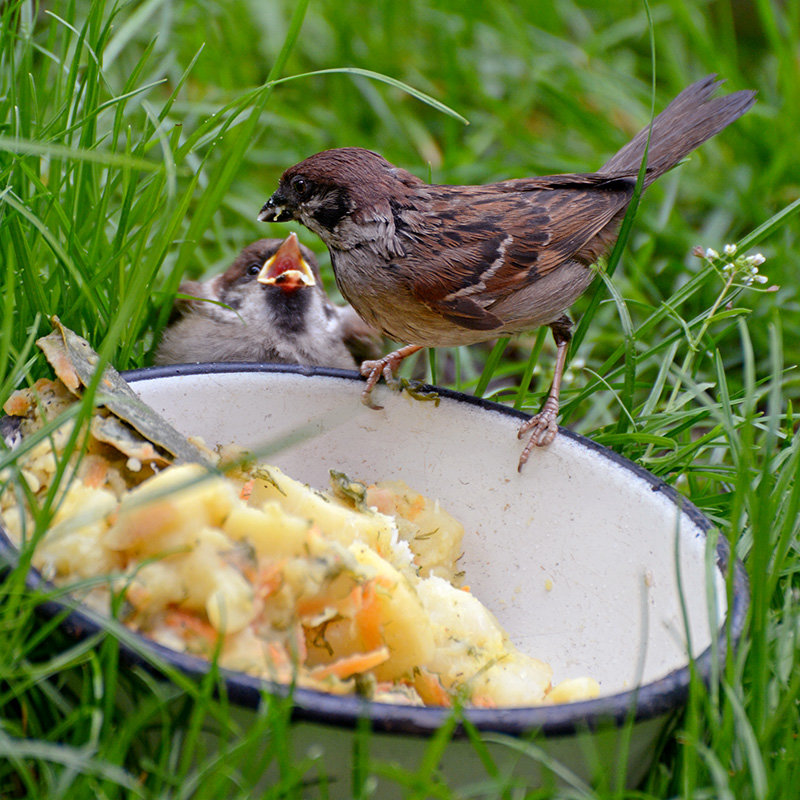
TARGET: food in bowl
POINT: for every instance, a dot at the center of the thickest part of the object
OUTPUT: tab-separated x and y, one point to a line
353	589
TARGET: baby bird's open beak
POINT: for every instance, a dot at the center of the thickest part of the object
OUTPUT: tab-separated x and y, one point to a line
287	269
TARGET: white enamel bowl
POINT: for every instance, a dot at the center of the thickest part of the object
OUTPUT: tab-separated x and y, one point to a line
591	563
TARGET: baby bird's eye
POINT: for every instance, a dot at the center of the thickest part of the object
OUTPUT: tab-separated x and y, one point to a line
254	269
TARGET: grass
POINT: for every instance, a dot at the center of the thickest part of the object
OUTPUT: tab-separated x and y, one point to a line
137	143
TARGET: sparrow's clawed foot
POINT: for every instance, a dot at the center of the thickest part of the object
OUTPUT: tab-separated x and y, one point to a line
543	428
386	366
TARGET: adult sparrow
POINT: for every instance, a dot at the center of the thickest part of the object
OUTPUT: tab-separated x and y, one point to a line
269	305
437	265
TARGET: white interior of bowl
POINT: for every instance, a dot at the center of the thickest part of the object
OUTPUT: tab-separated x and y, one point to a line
577	555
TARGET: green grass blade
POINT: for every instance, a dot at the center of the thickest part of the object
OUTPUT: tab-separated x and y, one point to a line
389	81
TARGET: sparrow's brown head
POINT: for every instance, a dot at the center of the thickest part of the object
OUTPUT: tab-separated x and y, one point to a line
333	185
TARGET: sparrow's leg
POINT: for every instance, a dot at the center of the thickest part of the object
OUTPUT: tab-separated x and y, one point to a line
372	371
544	425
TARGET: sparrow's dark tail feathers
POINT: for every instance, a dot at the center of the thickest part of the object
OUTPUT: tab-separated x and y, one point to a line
691	118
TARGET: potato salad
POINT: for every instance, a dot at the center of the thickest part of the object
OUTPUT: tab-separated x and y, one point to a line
354	588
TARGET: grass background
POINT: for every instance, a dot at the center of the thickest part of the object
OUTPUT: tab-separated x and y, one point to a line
137	143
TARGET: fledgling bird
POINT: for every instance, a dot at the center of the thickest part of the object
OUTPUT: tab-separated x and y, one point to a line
436	265
269	305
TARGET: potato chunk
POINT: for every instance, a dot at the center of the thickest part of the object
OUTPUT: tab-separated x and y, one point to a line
472	649
166	511
433	535
75	544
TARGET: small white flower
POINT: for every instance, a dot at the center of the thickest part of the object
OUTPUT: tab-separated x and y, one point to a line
761	278
711	253
756	260
729	249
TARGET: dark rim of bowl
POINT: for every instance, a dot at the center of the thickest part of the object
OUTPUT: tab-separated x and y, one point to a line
646	702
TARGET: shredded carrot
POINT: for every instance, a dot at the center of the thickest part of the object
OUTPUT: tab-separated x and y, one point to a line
270	578
466	588
300	644
190	623
382	499
351	665
281	667
430	689
96	471
247	489
482	701
147	522
311	606
348	606
369	617
415	507
353	602
278	655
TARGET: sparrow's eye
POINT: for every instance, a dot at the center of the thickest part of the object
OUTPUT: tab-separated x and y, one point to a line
302	187
254	269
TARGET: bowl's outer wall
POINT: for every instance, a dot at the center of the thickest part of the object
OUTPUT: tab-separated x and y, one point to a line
589	562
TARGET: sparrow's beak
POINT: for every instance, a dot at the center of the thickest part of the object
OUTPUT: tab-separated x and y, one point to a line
275	210
287	269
